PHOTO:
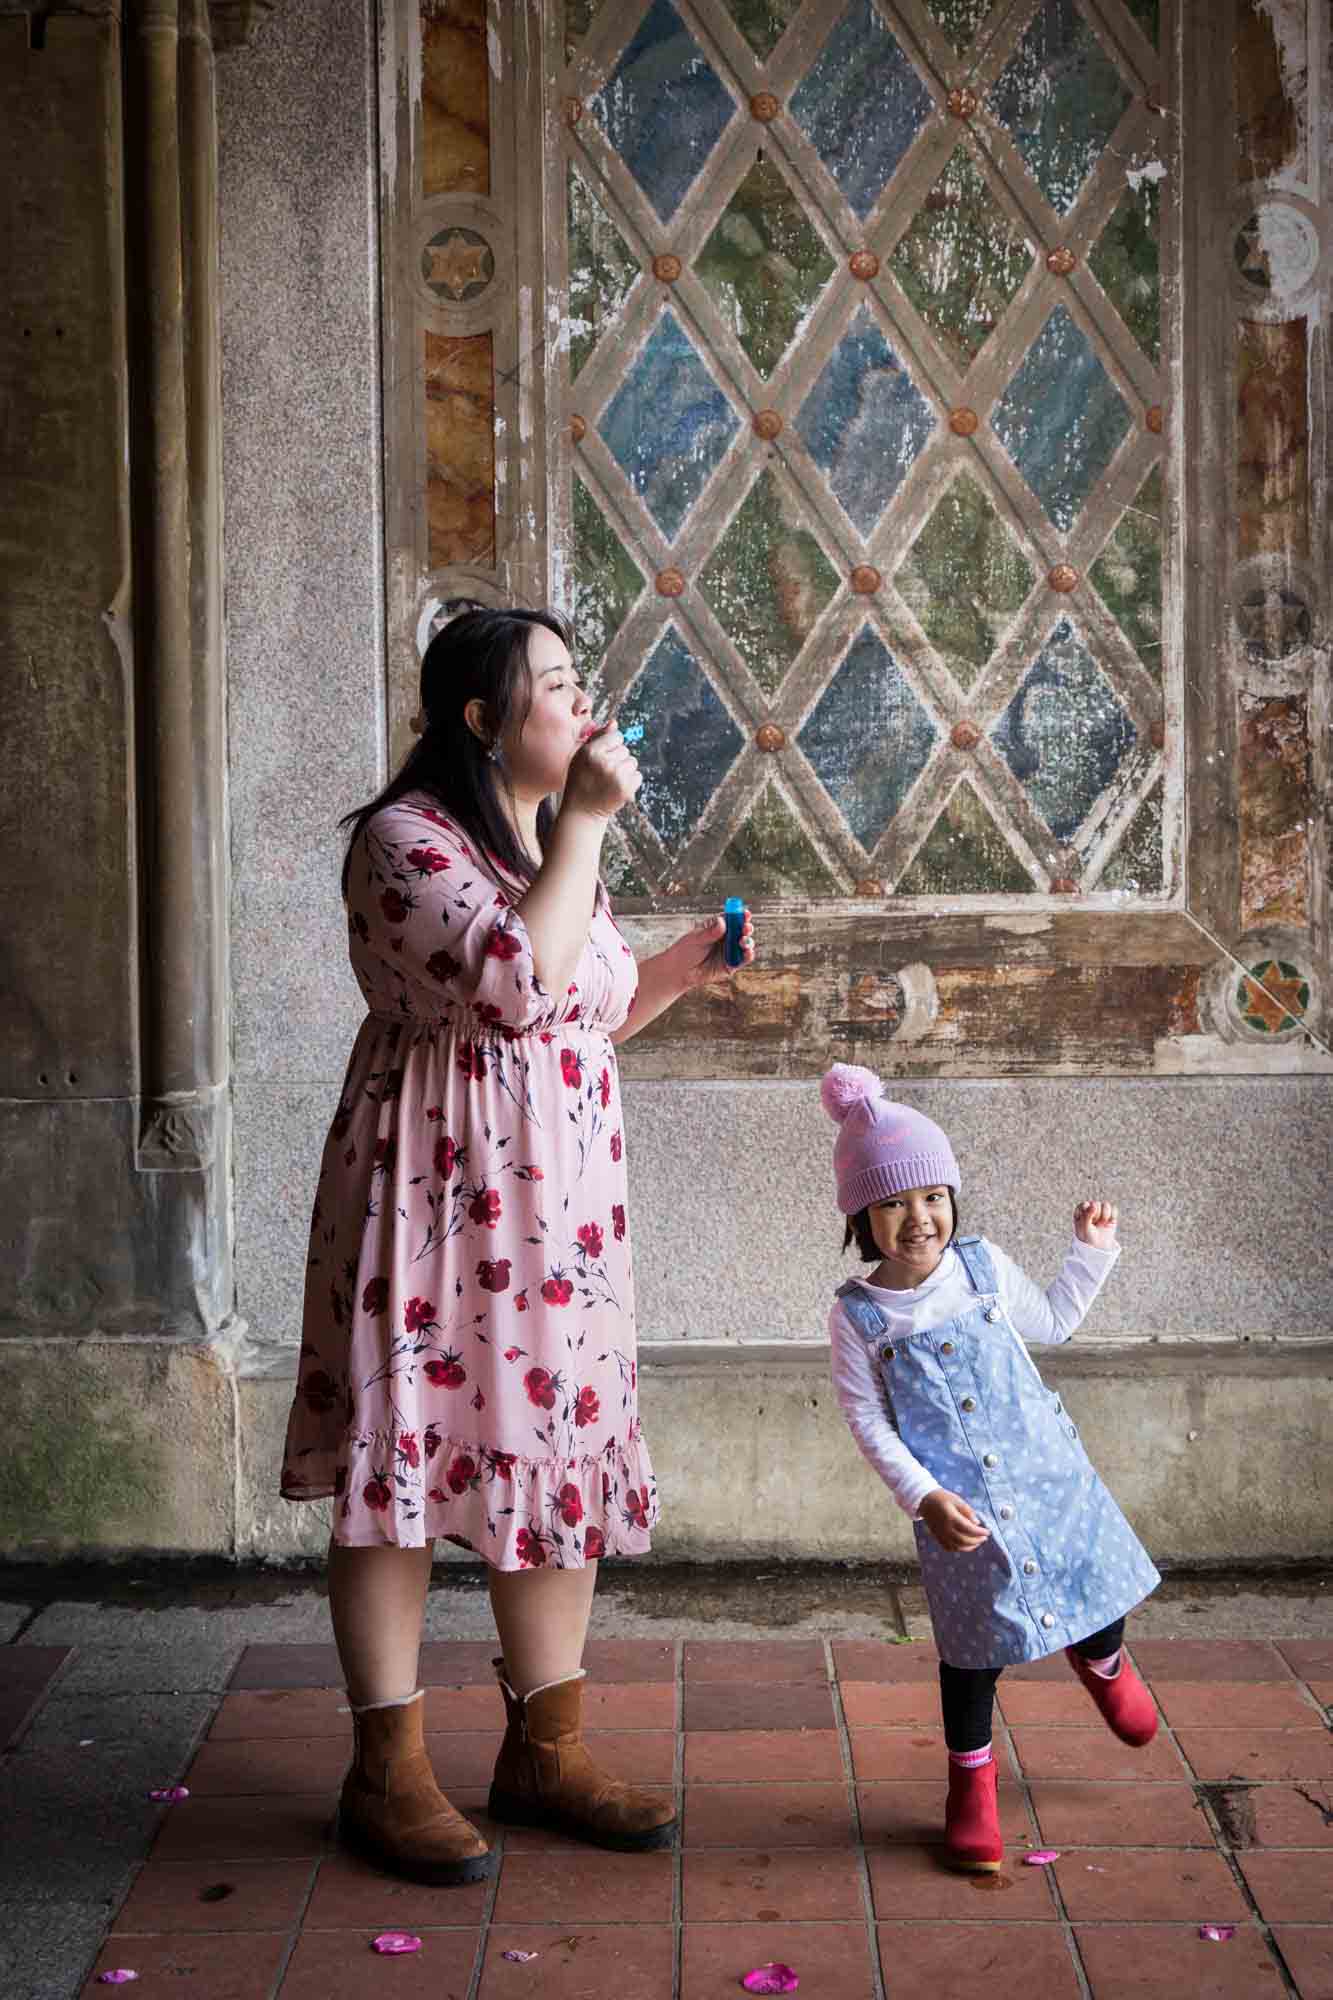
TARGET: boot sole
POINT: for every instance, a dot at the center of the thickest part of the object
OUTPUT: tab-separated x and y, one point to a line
437	1874
961	1866
508	1811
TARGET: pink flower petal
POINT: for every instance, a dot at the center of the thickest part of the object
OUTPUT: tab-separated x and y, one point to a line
170	1795
519	1957
1217	1933
389	1943
121	1976
771	1978
1041	1857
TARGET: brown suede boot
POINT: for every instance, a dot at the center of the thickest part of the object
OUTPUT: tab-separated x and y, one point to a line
393	1813
545	1776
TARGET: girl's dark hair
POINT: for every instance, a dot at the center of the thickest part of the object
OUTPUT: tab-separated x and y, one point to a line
481	654
860	1232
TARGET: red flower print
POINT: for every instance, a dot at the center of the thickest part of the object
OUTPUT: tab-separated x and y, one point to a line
591	1239
634	1374
502	944
618	1220
604	1088
436	818
493	1274
606	1489
395	906
472	1061
442	965
521	1300
320	1391
437	1494
385	1156
636	1505
587	1409
479	1401
446	1156
461	1473
502	1464
616	1146
446	1374
376	1493
594	1544
491	1014
514	1354
418	1313
571	1069
434	1115
409	1450
375	1298
570	1503
431	1442
427	860
360	926
540	1385
557	1290
484	1209
530	1551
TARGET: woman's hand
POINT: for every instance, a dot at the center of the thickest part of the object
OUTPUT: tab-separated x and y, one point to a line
1095	1223
952	1522
603	775
697	958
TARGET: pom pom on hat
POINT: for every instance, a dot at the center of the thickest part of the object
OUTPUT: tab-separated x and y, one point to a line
847	1084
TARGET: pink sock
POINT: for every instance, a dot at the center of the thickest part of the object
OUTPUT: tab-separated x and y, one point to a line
970	1760
1108	1668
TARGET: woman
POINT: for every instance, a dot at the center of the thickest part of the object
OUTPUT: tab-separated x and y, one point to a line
468	1354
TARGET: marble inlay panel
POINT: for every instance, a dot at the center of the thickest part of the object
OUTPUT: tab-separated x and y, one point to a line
460	448
1273	445
455	98
1276	810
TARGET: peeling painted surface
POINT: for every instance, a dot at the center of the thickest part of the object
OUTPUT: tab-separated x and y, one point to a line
1272	90
1276	810
1273	470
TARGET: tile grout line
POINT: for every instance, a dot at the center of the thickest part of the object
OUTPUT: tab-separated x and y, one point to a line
294	1939
486	1921
1062	1916
858	1834
678	1853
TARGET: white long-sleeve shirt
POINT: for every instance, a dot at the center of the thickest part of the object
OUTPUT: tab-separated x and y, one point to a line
1049	1316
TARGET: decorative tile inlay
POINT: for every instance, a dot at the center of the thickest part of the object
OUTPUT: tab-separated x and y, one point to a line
763	22
1273	998
458	265
771	854
868	738
663	108
690	741
863	264
861	105
964	579
602	269
965	854
1060	98
1128	573
959	19
1064	735
865	421
1061	419
606	580
962	260
460	448
1136	867
1125	263
455	98
768	580
764	265
668	462
670	583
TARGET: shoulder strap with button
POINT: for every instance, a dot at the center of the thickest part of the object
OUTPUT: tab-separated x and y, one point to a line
977	1263
863	1313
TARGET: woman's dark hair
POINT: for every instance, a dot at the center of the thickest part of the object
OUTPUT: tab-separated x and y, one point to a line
480	654
860	1232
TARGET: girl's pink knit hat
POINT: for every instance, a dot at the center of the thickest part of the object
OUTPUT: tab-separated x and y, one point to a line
883	1148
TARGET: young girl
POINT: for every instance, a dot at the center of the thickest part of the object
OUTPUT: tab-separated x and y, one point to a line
1022	1548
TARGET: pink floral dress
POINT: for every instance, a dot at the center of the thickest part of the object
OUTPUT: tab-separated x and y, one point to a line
468	1347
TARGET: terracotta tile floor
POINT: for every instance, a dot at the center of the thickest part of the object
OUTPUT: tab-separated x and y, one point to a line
810	1779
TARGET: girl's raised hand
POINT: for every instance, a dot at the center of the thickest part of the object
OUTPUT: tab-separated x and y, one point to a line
700	961
1095	1223
603	775
952	1522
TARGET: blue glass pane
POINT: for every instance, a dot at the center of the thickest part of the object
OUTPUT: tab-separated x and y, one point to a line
1060	99
1064	734
689	740
861	105
1061	419
864	421
668	424
663	108
868	738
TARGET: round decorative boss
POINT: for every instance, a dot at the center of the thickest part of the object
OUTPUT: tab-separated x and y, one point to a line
1063	577
1063	885
962	103
666	267
670	583
764	106
962	422
865	580
965	735
1153	420
573	110
767	424
1061	261
457	265
578	429
870	885
769	737
863	264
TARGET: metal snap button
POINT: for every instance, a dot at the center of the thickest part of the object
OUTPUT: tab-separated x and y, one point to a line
1058	1406
968	1403
992	1312
1073	1430
1029	1567
946	1347
1006	1513
1047	1620
991	1458
886	1351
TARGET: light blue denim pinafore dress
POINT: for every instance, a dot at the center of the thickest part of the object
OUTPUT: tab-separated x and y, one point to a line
966	1399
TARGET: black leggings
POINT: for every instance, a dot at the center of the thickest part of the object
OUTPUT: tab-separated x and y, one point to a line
967	1694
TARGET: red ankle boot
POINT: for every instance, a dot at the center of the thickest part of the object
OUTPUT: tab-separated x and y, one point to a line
972	1819
1126	1705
